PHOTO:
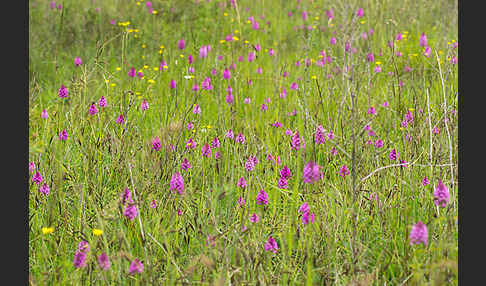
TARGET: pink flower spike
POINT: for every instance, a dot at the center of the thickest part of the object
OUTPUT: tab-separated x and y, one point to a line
441	195
271	245
254	218
418	234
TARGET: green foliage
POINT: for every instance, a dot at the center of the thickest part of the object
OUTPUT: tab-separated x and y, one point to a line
354	239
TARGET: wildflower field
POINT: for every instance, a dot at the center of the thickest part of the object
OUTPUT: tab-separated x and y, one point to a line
242	142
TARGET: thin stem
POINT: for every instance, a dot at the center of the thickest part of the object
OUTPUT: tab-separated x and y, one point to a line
447	127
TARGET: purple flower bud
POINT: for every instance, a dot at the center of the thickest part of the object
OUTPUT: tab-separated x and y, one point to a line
63	92
251	56
185	164
181	44
92	109
172	84
370	57
206	150
156	145
136	266
79	259
226	74
44	189
425	181
104	261
418	234
78	61
343	171
132	72
241	183
254	218
130	211
427	51
262	198
441	195
271	245
177	183
311	172
423	40
44	114
330	14
63	136
120	119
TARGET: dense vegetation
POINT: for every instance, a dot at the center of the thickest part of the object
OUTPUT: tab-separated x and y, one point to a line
243	142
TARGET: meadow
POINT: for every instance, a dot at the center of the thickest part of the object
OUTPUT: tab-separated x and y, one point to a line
243	142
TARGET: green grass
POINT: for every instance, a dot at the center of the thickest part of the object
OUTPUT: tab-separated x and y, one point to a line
353	240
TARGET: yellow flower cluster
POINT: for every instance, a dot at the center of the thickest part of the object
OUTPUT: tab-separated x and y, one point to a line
124	24
47	230
97	232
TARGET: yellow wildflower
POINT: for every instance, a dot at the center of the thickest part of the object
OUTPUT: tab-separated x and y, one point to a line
47	230
97	232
